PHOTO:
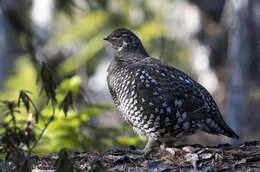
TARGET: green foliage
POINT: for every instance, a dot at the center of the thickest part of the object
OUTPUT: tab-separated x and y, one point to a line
23	77
85	54
69	131
16	137
124	141
83	28
72	132
151	30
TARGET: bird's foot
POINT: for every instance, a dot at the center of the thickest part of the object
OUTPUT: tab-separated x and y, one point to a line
150	147
144	153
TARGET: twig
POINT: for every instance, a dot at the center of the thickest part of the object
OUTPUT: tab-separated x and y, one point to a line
39	137
35	108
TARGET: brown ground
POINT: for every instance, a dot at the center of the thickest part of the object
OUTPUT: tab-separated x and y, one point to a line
244	157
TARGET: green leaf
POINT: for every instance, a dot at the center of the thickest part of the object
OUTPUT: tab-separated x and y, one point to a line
67	103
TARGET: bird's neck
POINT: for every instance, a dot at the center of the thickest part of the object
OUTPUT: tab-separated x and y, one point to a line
131	53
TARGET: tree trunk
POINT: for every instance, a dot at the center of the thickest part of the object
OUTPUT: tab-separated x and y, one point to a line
237	55
9	48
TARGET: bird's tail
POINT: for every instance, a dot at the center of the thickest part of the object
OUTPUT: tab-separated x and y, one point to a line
227	130
224	128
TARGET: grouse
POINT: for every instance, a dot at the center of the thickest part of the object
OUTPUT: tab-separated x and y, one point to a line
157	100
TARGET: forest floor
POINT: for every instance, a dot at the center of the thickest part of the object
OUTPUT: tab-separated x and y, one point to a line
243	157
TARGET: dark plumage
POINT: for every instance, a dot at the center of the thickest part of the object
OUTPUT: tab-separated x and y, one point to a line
158	100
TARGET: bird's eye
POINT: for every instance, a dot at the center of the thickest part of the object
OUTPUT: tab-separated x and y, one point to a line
116	35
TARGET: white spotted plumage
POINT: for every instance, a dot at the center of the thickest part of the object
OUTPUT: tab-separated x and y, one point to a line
157	100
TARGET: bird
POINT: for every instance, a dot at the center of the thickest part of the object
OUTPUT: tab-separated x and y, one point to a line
158	100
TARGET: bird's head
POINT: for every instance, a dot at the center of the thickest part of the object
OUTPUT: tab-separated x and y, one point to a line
123	40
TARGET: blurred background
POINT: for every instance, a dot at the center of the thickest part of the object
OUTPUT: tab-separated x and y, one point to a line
216	42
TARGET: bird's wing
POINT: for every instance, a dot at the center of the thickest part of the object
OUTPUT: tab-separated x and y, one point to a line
170	91
165	84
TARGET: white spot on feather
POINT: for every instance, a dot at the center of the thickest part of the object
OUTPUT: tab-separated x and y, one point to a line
163	74
186	125
155	93
184	116
172	76
164	104
178	103
122	47
167	120
181	78
169	109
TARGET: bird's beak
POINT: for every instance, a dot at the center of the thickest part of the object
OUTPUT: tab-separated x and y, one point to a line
106	38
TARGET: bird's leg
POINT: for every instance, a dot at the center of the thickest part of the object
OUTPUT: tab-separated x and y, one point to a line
149	147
